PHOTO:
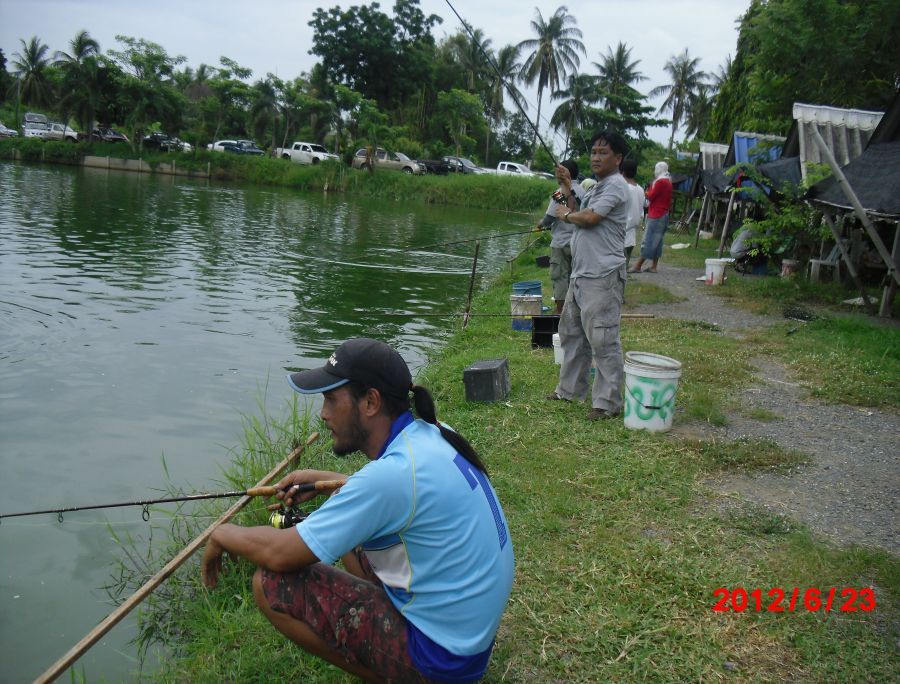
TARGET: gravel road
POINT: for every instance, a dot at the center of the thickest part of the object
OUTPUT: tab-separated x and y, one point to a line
848	492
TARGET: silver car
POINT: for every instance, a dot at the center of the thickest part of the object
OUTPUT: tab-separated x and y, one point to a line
383	159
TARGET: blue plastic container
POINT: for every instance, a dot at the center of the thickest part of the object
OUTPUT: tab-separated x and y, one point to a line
527	287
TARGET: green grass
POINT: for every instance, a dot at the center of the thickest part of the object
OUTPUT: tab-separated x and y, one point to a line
484	191
842	359
763	415
619	546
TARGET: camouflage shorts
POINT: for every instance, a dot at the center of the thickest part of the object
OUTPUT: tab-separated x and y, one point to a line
352	615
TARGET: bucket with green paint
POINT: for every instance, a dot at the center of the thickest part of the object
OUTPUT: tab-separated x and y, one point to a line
651	381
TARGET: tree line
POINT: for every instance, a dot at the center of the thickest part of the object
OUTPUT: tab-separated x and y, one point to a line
384	79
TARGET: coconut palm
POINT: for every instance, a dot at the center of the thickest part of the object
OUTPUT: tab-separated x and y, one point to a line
580	92
505	72
31	68
686	79
82	77
699	110
554	53
471	51
618	73
81	47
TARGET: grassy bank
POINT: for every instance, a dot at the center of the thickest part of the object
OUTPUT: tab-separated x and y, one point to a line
619	545
485	192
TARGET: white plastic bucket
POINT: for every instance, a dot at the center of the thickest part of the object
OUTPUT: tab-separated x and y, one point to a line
557	349
715	271
651	381
522	308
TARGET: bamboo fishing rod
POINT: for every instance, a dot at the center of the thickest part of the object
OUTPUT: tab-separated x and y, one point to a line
128	605
319	486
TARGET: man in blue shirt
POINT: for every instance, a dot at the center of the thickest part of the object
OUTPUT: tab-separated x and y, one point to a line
419	529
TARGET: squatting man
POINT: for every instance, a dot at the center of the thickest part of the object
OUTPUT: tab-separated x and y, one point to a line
425	547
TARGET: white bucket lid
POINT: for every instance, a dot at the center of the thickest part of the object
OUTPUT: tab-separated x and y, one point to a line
722	262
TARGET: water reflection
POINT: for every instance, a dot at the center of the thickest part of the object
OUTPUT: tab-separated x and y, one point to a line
139	318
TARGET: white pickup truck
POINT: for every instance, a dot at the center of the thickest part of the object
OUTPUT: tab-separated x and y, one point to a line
305	153
508	168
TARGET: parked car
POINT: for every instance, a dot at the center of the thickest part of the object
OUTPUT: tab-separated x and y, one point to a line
386	160
242	147
165	143
462	165
306	153
7	132
434	166
508	168
35	125
107	134
219	145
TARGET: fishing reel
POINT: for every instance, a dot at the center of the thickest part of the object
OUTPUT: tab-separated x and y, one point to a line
282	518
559	197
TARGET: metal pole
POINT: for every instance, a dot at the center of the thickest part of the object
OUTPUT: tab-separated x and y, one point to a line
889	260
128	605
887	299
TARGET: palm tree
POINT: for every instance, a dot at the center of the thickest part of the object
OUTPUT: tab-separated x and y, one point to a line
580	92
719	78
506	71
686	79
31	67
81	78
699	110
554	53
617	74
82	46
470	52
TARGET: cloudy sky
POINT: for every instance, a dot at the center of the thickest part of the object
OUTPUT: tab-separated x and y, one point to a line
273	36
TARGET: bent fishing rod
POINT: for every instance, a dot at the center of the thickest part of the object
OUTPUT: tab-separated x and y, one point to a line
264	491
509	89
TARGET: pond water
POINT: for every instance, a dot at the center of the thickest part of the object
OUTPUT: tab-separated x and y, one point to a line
140	318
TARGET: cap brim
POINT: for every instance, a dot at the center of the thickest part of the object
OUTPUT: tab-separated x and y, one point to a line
314	381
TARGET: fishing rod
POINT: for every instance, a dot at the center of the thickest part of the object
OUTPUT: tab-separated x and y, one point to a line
318	486
509	89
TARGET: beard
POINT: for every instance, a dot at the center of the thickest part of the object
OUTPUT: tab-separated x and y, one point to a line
351	439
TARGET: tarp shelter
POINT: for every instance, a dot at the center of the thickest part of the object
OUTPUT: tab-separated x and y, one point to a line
874	179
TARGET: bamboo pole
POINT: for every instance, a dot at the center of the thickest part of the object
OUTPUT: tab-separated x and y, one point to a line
471	284
858	209
890	290
700	220
845	255
727	223
145	590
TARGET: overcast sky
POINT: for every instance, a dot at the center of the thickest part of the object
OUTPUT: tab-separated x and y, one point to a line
273	36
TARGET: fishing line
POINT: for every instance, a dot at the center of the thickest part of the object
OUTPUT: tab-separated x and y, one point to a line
318	486
398	269
509	89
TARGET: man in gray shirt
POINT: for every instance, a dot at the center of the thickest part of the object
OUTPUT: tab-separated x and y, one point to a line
589	325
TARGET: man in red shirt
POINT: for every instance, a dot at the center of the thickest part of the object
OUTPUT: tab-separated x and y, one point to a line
660	197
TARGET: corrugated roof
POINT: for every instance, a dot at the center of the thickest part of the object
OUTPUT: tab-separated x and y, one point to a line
744	144
712	156
845	131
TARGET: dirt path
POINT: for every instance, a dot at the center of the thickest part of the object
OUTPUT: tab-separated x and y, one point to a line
849	490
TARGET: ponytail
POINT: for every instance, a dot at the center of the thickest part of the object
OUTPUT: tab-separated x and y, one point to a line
424	405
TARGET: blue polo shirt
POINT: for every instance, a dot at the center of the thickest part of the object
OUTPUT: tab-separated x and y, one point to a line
435	534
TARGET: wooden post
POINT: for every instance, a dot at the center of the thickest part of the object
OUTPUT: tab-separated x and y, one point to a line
727	222
471	284
126	607
889	260
887	299
845	255
700	220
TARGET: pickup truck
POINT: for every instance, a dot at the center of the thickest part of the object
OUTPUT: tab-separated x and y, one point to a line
38	126
508	168
305	153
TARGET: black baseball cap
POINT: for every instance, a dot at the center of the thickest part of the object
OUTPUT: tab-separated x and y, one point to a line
369	362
